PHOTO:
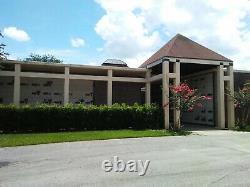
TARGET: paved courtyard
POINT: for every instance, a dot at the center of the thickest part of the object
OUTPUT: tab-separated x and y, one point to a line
206	158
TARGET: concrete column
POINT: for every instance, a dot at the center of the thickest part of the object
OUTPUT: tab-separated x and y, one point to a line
16	94
109	88
177	80
220	97
148	87
165	92
230	101
66	86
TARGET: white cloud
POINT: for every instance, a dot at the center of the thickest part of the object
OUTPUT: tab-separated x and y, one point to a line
133	29
99	49
137	60
92	63
123	32
16	34
12	57
77	42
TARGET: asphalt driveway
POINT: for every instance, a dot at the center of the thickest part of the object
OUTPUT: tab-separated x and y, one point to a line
212	158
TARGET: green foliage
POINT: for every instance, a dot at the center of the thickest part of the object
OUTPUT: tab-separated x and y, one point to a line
242	105
53	118
43	58
185	98
247	128
3	54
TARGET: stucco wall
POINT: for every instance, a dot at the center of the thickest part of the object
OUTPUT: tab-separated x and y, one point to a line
41	90
44	90
123	92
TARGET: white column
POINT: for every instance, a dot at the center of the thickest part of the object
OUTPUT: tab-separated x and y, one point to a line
230	101
109	87
16	94
176	83
148	87
66	86
220	97
165	92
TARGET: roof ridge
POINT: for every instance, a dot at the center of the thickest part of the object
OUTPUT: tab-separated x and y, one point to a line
203	46
173	43
183	47
170	42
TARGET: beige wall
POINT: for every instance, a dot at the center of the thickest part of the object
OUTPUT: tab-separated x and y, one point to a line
41	90
44	90
68	82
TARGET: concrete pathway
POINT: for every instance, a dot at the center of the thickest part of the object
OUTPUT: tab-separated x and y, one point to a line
206	158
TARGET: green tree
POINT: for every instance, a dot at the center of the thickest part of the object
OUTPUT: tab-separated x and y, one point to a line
42	58
185	99
3	54
242	105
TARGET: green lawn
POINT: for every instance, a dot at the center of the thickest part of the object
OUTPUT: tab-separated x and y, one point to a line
10	140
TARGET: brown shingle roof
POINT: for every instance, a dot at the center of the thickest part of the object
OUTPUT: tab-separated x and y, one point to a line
183	47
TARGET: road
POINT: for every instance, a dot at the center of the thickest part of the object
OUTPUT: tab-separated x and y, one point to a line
207	158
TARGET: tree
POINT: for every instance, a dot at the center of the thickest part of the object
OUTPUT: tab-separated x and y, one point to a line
43	58
3	54
185	99
242	105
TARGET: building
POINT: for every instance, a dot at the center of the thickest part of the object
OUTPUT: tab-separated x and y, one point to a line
113	82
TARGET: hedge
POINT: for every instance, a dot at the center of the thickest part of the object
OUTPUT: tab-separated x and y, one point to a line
53	118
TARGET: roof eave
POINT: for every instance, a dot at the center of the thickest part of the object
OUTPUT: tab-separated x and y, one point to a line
216	60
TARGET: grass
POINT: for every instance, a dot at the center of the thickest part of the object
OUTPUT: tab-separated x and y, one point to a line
11	140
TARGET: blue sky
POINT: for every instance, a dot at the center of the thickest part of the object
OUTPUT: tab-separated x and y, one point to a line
88	32
51	25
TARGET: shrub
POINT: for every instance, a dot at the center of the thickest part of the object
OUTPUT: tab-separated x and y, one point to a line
52	118
185	99
242	105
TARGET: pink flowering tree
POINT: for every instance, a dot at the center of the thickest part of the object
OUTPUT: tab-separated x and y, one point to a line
242	105
185	99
